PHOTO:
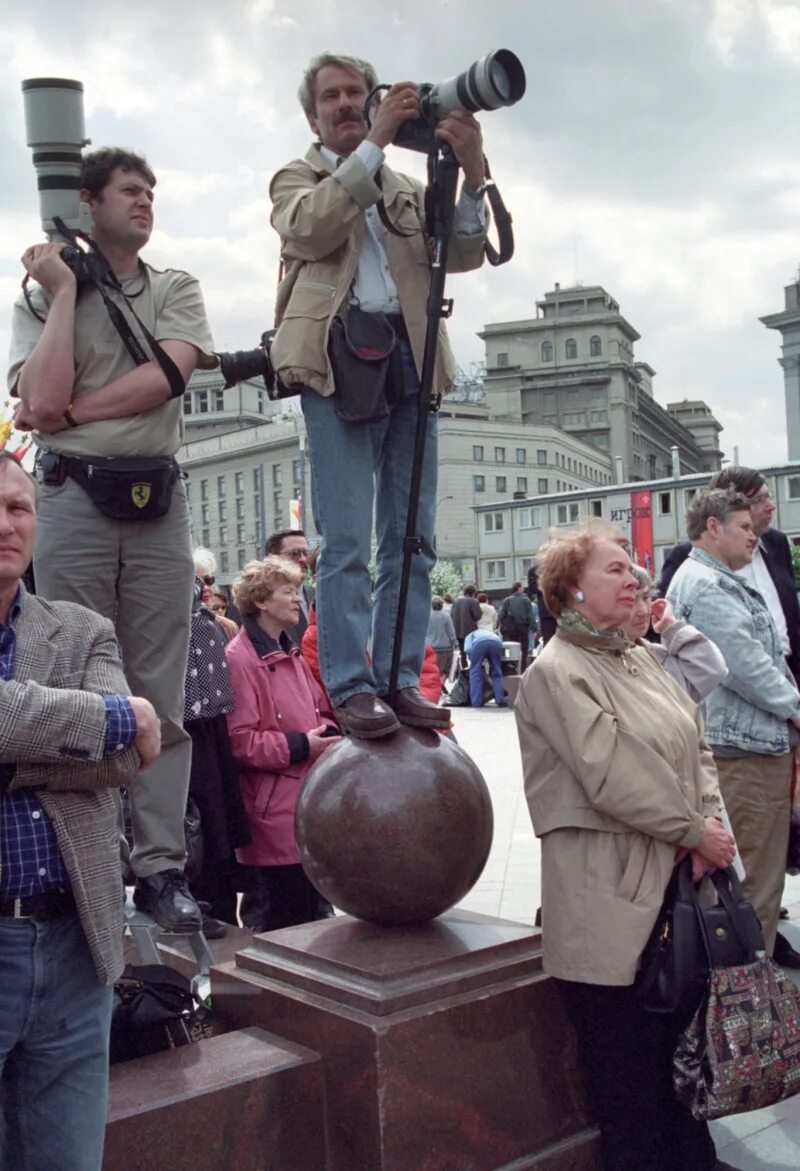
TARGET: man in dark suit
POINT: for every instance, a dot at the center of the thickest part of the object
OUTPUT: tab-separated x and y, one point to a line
292	543
771	572
466	613
68	736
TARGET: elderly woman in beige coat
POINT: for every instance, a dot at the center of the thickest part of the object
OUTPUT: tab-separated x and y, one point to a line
620	784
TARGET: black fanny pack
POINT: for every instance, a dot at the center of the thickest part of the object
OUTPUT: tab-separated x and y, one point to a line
367	364
135	489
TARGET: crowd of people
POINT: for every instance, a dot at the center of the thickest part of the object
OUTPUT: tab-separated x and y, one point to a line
235	698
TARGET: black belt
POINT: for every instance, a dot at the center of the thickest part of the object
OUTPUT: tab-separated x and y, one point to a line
48	905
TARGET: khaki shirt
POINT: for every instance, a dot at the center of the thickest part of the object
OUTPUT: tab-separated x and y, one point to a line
171	305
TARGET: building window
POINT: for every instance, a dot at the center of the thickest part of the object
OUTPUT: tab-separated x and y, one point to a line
239	479
543	488
500	455
262	402
223	510
222	487
794	487
205	537
502	359
204	489
521	456
522	483
599	417
596	508
477	452
187	404
595	347
256	479
223	560
188	486
665	503
479	483
567	514
204	513
690	495
493	522
240	558
547	351
277	503
276	475
223	534
500	484
240	535
541	457
201	402
530	518
496	570
296	477
219	400
570	348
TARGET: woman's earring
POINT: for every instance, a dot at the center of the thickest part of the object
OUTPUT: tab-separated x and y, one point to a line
580	596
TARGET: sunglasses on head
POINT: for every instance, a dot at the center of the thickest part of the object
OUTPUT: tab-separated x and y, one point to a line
209	579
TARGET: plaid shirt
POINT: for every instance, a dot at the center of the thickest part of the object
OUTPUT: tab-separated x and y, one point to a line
31	859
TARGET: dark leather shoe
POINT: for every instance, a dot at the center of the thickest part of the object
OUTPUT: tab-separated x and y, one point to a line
366	716
784	954
165	897
413	709
783	913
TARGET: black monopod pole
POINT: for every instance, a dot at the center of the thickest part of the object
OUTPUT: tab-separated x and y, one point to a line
442	197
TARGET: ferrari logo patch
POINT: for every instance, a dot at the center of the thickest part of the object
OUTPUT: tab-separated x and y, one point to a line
140	494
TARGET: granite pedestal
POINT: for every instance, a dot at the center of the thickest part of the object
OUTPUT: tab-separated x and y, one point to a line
245	1101
444	1047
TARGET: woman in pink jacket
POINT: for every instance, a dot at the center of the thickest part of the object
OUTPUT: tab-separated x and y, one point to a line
280	724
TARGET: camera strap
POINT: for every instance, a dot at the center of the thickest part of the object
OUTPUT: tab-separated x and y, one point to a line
177	383
502	218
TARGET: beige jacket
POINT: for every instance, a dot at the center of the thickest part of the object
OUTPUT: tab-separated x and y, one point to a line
319	214
617	776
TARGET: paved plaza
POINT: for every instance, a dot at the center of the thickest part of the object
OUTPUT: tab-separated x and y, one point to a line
763	1140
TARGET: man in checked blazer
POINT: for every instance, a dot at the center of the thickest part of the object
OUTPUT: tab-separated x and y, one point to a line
69	734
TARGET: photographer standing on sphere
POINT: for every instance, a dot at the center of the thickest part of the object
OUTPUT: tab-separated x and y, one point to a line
341	251
113	516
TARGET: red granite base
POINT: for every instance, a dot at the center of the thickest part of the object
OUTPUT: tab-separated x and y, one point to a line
444	1047
245	1101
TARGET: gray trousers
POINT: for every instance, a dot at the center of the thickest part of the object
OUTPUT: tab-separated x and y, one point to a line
140	575
757	794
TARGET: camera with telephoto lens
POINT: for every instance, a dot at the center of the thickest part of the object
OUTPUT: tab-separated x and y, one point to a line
496	80
243	364
55	129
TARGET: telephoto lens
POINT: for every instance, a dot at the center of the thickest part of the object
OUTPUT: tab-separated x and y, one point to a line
55	129
496	80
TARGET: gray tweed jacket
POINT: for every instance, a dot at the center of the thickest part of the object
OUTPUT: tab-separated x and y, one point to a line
52	727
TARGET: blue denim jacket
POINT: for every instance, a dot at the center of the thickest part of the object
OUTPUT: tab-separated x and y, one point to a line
750	710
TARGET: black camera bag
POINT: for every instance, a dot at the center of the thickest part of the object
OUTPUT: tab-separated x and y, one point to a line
367	365
154	1009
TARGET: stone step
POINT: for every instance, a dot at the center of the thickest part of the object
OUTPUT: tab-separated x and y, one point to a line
246	1100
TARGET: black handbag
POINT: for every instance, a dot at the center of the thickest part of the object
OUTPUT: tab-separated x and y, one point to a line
674	968
367	365
154	1008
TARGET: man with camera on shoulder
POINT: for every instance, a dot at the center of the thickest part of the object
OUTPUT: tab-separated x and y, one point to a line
353	243
99	364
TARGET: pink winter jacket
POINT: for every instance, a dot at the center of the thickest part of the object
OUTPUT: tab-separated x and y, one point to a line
271	696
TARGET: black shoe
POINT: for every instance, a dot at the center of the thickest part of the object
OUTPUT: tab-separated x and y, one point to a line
214	928
416	711
784	954
165	896
365	716
783	913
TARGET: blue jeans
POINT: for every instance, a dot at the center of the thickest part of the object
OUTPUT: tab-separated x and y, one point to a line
54	1026
354	465
492	650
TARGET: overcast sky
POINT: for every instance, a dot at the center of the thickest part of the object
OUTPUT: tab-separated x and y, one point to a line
655	153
